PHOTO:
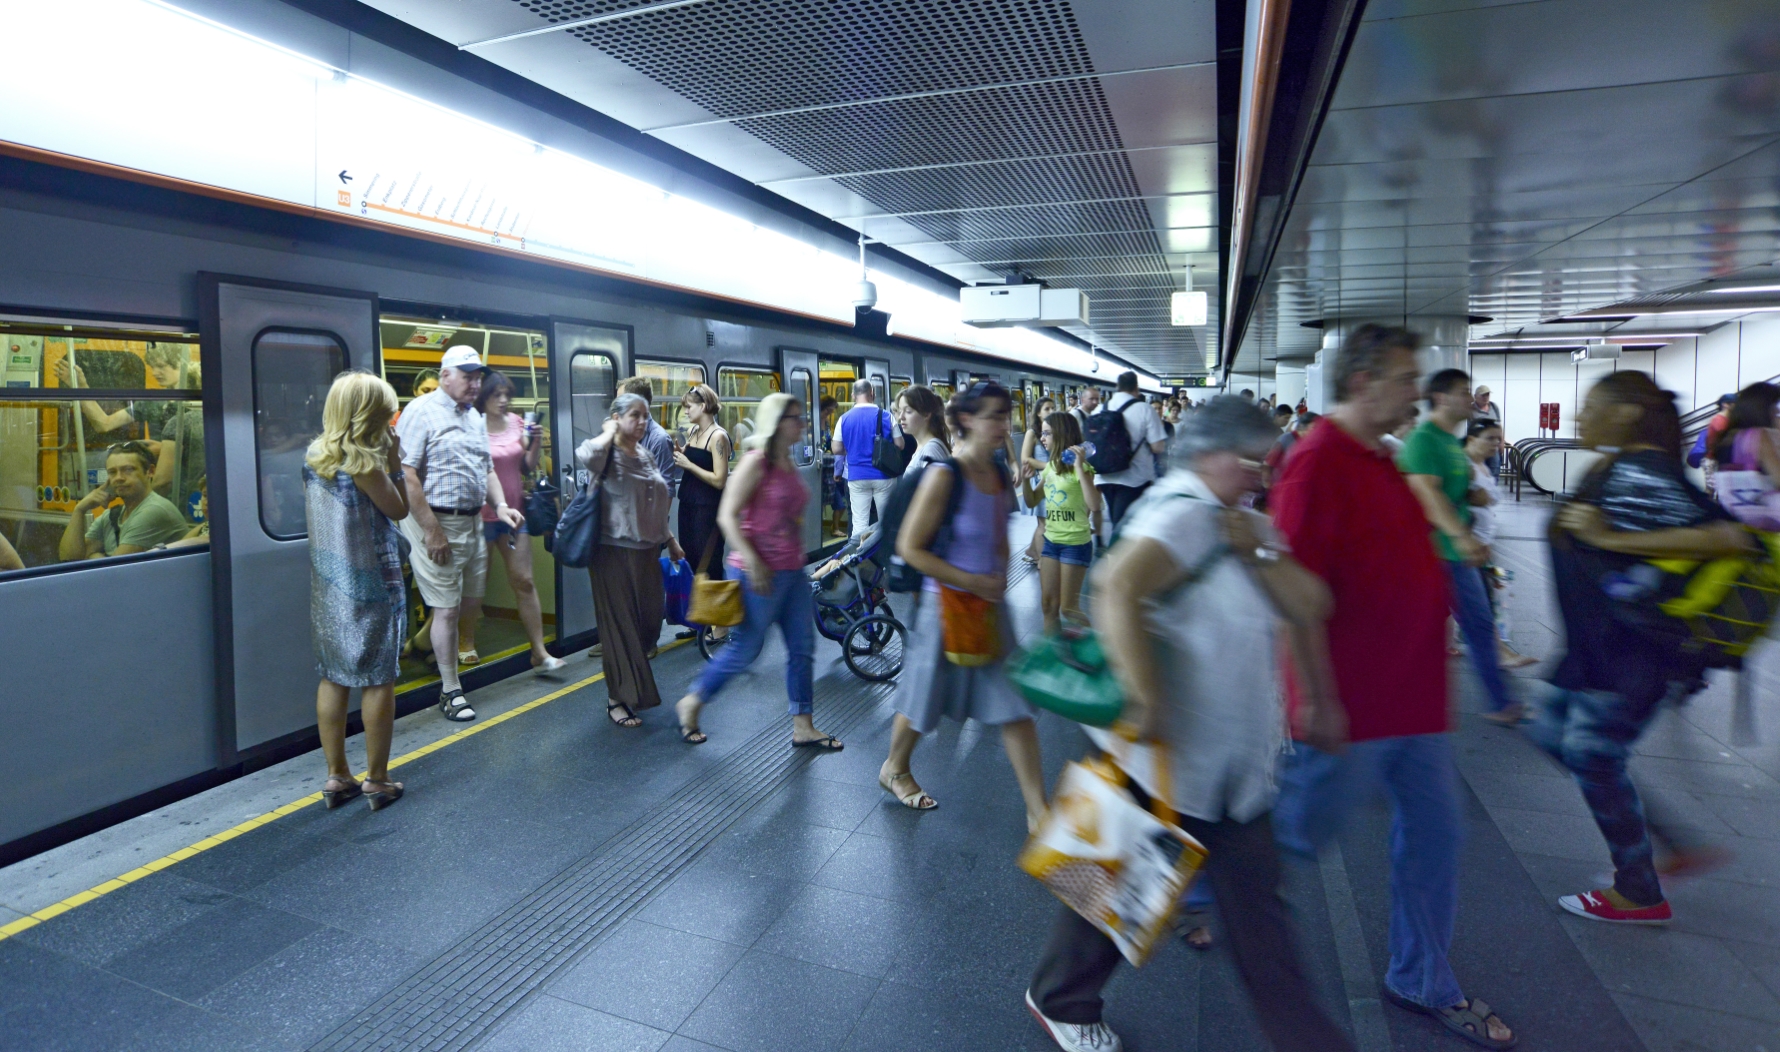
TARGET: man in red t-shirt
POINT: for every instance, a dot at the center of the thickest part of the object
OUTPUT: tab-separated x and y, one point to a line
1375	708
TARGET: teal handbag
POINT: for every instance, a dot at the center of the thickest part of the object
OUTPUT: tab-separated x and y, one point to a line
1067	674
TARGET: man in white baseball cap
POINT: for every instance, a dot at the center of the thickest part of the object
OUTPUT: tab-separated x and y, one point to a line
450	476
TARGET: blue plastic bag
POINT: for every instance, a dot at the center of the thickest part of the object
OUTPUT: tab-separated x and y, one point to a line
676	582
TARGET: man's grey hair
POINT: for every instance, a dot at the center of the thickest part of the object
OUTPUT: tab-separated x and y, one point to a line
864	387
621	404
1225	423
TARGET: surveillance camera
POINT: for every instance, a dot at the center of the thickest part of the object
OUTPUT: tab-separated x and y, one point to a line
1096	366
865	295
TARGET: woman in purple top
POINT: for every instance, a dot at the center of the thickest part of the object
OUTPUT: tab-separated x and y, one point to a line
761	517
974	561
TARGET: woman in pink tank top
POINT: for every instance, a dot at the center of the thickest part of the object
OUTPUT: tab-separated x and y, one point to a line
762	521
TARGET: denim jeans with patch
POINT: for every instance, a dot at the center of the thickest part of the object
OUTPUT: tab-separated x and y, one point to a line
1591	733
1417	774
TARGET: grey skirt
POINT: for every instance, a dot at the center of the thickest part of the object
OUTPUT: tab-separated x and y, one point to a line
931	687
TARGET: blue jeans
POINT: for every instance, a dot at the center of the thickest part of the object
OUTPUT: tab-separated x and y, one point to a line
1591	733
1471	609
791	606
1416	771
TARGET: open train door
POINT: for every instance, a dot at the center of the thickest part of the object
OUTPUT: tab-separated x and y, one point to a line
798	371
271	350
586	362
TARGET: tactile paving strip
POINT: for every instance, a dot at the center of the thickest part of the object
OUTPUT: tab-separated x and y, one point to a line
451	1002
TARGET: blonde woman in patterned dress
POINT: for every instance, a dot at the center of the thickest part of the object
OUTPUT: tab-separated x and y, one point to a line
352	482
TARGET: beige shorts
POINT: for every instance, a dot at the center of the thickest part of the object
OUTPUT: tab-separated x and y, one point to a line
465	576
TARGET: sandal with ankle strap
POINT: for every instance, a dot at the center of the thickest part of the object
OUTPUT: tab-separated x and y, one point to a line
381	794
455	707
339	790
915	801
629	719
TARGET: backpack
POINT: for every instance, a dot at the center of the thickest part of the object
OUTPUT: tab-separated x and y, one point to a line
903	577
1726	605
1111	440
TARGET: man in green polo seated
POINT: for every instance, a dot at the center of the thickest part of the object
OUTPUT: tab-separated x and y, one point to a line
144	520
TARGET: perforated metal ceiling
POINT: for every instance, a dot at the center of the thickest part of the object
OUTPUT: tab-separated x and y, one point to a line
1011	156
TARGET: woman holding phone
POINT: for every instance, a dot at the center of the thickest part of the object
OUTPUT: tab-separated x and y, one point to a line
702	455
514	448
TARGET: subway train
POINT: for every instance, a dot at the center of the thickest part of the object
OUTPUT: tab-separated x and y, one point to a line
206	331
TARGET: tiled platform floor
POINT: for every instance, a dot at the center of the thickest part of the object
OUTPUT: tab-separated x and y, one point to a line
830	918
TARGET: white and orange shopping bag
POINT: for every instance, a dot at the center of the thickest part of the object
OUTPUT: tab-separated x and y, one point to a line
1123	868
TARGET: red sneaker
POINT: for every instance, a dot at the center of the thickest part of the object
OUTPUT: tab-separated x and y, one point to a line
1594	906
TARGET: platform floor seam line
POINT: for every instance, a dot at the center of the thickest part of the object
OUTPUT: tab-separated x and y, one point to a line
560	921
81	898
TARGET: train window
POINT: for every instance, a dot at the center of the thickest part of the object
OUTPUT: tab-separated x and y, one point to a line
899	384
292	371
739	391
668	384
593	381
118	473
941	388
803	388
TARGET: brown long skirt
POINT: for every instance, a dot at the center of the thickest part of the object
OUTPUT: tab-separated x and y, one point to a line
627	594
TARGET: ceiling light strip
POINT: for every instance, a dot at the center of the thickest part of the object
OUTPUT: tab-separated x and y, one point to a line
913	95
610	16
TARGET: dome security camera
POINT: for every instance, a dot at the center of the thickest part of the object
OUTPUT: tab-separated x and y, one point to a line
865	295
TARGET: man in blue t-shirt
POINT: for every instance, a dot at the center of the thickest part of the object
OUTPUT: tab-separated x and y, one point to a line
854	435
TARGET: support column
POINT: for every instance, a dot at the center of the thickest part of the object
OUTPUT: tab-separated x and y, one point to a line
1445	340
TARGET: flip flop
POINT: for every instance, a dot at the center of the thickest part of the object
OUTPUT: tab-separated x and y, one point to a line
1470	1022
827	742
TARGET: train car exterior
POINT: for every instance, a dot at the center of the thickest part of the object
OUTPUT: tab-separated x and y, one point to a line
141	676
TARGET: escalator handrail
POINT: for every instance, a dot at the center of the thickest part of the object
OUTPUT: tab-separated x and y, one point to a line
1521	455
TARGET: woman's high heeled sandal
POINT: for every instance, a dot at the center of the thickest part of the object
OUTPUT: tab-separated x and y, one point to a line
381	794
338	791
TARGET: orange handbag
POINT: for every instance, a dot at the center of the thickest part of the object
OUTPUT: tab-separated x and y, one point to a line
970	627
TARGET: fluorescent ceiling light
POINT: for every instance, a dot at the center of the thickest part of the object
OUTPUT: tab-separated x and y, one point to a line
1188	308
1744	288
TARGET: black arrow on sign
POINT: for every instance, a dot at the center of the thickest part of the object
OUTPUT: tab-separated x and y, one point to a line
344	178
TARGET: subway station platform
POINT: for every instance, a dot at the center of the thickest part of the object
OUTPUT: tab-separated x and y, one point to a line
553	883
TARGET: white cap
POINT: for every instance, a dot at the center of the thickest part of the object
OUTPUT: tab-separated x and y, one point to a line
462	358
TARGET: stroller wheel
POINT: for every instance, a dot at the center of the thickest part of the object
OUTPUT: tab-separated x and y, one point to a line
873	648
707	645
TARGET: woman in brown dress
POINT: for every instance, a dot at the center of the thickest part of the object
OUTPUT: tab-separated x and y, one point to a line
626	568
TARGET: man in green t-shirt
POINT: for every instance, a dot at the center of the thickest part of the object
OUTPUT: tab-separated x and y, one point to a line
1440	473
145	519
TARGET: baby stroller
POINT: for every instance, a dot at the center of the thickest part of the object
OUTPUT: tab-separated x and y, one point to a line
853	608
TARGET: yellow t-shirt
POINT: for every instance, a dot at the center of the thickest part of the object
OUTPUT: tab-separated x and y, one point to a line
1066	509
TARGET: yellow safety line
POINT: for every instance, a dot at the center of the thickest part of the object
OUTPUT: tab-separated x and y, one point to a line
81	898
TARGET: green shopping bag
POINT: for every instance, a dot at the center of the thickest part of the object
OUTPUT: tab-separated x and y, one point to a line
1067	674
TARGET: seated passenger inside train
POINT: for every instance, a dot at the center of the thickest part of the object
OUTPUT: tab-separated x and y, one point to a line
141	519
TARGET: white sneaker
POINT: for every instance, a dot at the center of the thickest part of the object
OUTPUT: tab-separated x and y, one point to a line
1072	1037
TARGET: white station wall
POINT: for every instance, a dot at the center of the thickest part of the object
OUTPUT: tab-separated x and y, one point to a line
1697	370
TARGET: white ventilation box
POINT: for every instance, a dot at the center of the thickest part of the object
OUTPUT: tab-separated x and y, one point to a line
990	306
